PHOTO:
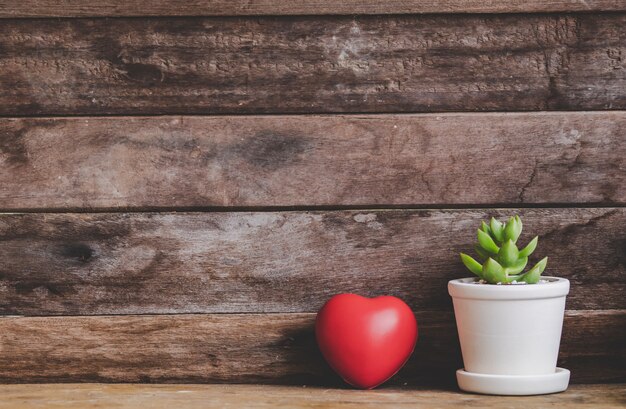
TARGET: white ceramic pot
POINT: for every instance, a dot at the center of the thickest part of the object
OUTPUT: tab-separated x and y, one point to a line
510	330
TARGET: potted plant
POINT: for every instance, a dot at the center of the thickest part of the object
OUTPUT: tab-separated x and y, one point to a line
509	321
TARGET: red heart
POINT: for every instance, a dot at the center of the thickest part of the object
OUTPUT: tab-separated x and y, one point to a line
366	340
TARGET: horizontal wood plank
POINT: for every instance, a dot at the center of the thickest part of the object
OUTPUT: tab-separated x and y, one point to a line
69	396
256	161
252	348
83	264
310	64
120	8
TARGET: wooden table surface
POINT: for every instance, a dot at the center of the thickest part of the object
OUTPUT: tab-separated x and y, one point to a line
237	396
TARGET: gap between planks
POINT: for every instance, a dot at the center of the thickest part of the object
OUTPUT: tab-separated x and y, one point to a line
287	209
325	114
322	115
568	313
122	8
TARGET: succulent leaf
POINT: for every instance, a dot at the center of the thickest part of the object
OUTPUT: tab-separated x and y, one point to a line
485	227
519	223
472	265
530	247
517	268
497	230
493	272
487	243
508	253
484	255
534	274
512	230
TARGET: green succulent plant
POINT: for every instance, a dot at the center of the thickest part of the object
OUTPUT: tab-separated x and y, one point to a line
501	260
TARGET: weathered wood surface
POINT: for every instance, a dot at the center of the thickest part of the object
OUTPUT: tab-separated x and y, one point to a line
118	8
169	162
312	64
70	396
282	261
258	348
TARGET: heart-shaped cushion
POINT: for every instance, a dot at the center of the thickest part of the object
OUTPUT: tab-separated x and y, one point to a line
366	340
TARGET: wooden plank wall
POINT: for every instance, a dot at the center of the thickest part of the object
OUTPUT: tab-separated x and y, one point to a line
183	184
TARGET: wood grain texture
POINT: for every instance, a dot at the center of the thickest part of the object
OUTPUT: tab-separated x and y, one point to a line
266	396
139	263
119	8
256	161
405	63
258	348
82	396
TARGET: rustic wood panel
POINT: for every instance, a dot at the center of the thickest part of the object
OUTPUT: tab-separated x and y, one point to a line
261	348
282	261
595	337
266	396
312	64
117	8
169	162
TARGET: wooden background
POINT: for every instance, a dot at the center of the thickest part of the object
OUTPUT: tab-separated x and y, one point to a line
183	184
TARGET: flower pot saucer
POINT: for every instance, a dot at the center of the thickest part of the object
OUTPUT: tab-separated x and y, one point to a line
513	384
